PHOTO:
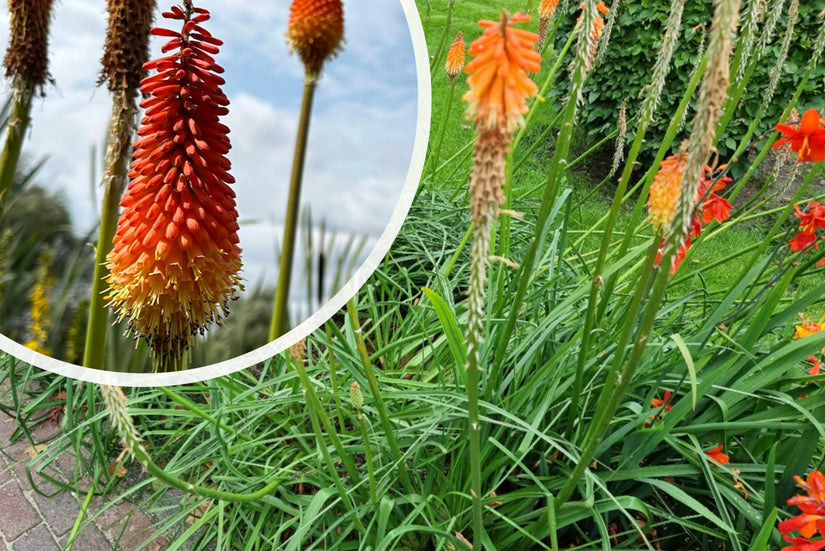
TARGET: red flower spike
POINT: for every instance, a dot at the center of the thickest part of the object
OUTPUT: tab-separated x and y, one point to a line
175	262
315	31
808	141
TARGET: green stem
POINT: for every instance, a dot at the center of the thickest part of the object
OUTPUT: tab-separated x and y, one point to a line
379	402
334	376
368	453
314	408
279	310
443	38
479	256
77	522
15	131
434	162
114	181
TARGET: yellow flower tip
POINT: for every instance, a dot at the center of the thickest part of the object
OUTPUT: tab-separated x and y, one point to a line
315	31
455	56
664	192
499	85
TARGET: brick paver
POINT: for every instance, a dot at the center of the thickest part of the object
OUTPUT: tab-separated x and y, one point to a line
30	521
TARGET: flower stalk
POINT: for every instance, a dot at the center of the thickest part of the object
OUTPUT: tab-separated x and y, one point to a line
499	85
124	52
26	64
315	32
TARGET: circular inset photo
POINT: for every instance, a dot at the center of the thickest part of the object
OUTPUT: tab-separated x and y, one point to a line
187	189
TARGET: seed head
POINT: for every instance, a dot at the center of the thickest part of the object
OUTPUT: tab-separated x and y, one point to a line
27	55
127	43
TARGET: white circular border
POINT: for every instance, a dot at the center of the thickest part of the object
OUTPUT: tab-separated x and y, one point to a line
327	310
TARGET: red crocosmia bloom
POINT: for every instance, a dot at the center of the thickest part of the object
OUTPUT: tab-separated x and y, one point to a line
803	544
718	455
816	368
665	401
808	141
809	222
812	518
715	208
175	262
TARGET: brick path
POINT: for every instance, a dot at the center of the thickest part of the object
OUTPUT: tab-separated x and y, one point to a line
31	522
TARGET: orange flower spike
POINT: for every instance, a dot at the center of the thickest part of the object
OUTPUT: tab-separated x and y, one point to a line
175	262
315	31
718	455
455	56
664	192
547	8
498	79
808	141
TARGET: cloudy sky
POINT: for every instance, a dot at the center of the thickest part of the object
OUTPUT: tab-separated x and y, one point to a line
361	139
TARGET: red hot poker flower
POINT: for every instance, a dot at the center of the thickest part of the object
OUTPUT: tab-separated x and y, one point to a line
455	56
498	79
808	141
315	31
175	262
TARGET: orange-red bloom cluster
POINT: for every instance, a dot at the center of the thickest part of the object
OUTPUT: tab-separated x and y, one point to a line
718	455
806	327
175	261
664	197
664	404
498	79
455	56
809	222
808	141
315	30
812	518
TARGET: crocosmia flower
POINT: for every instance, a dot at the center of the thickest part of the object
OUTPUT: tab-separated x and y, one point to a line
806	328
718	455
315	31
498	80
808	140
812	518
175	262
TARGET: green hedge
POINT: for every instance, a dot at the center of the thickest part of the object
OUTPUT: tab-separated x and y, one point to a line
634	44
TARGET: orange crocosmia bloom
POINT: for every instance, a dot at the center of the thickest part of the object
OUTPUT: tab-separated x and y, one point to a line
455	56
498	79
816	368
665	401
664	192
802	544
175	262
315	31
718	455
808	141
809	222
806	328
812	518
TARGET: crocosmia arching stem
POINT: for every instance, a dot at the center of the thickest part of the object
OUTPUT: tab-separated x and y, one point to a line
175	262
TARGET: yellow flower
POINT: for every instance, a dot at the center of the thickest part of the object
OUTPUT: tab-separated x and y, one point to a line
806	328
